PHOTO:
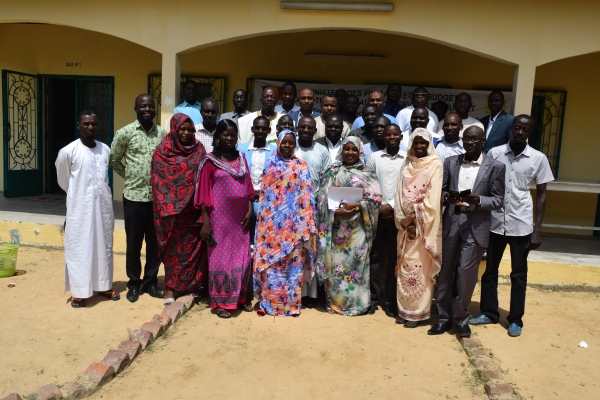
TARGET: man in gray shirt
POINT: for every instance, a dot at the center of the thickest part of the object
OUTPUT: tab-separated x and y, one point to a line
240	104
513	224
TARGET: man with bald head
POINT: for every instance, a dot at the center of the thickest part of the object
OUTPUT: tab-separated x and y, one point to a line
472	187
351	104
307	105
288	101
376	99
497	124
450	144
462	106
268	100
334	126
366	133
328	107
419	98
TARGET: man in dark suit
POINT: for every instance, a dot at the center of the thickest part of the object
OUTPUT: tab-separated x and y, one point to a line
467	220
497	124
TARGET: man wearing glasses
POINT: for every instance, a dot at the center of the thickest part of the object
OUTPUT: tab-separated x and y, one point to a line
240	107
473	186
420	97
513	224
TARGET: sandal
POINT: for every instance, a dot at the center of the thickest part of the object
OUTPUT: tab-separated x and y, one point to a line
111	295
246	307
411	324
400	320
168	301
77	303
261	313
222	313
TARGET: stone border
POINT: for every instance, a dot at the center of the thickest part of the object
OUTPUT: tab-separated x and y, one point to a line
97	374
488	370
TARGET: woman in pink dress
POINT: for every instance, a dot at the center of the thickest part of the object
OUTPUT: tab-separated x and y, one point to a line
225	192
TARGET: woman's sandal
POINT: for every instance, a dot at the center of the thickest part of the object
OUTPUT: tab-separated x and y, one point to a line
400	320
246	307
411	324
261	313
77	303
111	295
222	313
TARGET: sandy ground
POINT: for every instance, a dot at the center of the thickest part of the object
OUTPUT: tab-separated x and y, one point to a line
317	355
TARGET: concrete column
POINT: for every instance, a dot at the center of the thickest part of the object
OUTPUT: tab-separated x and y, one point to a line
171	72
523	83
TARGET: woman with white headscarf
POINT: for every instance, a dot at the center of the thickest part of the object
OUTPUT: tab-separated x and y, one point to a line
418	219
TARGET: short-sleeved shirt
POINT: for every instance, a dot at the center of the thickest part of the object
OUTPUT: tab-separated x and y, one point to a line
205	137
515	218
317	159
387	168
404	115
137	146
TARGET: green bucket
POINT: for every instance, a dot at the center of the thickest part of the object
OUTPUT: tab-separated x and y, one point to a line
8	259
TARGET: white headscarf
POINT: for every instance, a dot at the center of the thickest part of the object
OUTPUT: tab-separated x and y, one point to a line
425	134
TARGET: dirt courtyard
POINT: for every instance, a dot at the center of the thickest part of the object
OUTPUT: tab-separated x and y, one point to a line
315	356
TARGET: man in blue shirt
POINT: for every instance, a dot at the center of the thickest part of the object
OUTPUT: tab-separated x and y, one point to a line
190	105
377	99
392	105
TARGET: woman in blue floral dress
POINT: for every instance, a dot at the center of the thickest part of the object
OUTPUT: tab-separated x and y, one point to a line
346	234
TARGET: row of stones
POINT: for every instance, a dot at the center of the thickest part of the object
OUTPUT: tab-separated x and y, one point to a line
98	374
486	368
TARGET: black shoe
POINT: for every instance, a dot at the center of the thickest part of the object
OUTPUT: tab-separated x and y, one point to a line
463	331
133	294
154	292
389	312
438	329
484	256
372	309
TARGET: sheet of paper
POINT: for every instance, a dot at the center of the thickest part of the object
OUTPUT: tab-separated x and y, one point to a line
335	195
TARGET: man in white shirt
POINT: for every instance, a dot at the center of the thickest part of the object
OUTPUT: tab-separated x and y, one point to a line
328	107
205	130
387	164
288	100
514	225
332	140
316	157
268	99
420	97
419	118
450	144
462	106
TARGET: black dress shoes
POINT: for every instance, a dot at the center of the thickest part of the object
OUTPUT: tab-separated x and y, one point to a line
438	329
133	294
154	292
463	331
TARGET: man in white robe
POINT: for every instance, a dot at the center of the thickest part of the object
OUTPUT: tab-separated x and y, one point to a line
82	171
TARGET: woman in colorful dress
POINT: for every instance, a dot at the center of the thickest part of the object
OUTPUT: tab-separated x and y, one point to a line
346	234
174	173
418	218
224	192
285	239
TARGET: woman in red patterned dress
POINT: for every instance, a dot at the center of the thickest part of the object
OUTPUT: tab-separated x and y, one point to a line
177	222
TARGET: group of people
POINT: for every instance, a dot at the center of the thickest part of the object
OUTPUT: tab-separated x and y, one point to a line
246	205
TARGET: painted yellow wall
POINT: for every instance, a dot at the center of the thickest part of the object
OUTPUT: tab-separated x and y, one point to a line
44	49
407	60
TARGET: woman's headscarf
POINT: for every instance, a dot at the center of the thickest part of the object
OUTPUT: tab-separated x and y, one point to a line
280	137
425	134
174	170
419	192
285	217
361	152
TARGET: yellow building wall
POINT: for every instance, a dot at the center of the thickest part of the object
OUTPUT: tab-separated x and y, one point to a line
45	49
407	60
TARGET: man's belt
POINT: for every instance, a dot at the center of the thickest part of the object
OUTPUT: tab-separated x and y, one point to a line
461	209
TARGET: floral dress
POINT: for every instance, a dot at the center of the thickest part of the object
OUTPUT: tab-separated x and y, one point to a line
344	243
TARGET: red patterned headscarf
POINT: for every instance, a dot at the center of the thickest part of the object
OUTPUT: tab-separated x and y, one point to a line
174	171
